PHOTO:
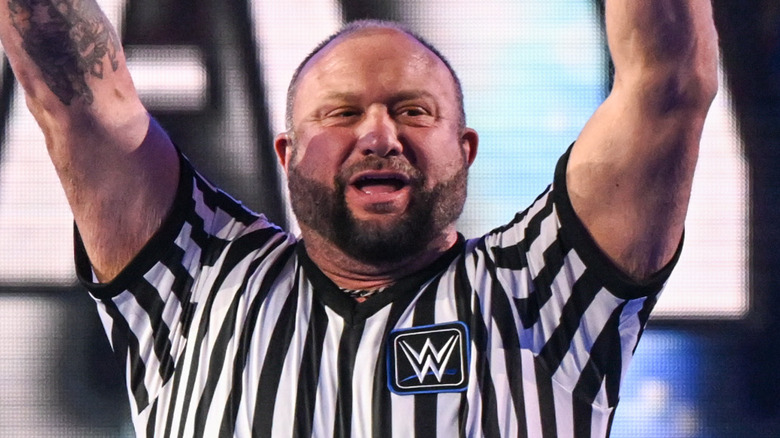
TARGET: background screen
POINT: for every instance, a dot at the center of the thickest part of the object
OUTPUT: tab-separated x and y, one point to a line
215	74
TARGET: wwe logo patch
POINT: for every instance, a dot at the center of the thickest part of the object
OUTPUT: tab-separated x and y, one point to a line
427	359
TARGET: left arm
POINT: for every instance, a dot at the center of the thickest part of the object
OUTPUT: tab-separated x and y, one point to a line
630	172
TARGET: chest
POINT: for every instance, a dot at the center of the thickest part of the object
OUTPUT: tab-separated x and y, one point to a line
293	365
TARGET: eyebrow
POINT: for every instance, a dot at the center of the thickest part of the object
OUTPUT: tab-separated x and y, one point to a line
398	97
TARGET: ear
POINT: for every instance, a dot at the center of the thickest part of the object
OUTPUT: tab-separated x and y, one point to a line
469	141
283	147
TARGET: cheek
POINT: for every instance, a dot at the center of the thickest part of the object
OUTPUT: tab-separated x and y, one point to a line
320	156
439	157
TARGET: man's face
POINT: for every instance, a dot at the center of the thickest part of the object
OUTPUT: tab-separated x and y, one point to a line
377	161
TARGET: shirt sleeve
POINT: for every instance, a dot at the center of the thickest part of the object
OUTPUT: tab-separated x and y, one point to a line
147	308
573	308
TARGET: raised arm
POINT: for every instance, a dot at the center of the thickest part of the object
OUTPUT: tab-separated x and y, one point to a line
630	172
119	171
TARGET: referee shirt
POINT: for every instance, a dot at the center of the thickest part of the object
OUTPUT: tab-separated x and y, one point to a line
225	327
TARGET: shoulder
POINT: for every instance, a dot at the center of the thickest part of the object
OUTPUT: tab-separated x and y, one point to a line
548	239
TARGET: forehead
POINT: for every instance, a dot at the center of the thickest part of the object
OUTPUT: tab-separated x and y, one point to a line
376	57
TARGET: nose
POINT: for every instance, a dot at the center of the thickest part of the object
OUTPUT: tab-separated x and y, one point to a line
378	134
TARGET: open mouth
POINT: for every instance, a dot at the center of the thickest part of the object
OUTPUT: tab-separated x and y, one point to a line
380	183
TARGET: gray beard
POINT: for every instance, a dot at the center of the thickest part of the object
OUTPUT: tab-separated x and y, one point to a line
429	212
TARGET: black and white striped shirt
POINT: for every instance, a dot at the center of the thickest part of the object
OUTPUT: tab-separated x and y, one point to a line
226	328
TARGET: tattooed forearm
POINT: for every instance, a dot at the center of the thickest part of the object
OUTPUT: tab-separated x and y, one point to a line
68	40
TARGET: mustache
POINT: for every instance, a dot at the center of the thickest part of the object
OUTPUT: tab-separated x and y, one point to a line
373	162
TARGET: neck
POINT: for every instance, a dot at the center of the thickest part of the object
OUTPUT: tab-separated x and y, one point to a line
349	272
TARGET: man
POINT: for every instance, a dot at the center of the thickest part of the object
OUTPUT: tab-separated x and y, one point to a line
382	320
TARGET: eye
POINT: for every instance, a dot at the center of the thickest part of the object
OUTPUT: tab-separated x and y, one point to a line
343	113
414	115
341	116
413	111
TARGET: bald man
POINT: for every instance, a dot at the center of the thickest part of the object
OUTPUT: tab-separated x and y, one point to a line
380	319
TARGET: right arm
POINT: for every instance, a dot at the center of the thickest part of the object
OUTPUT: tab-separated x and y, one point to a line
119	170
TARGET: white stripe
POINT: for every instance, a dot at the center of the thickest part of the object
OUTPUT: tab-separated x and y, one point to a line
402	406
223	386
284	408
163	278
536	338
221	305
505	406
191	258
474	419
564	417
447	404
518	281
201	209
366	358
600	417
106	321
591	326
140	419
258	348
327	387
140	326
517	232
533	413
630	327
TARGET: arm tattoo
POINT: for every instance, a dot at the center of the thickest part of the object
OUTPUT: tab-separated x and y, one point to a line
67	40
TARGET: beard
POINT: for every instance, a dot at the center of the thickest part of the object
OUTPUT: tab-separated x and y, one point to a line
428	214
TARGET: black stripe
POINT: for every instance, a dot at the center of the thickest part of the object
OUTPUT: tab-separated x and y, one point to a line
604	365
217	358
480	340
425	405
120	334
174	397
382	425
215	198
510	340
463	293
211	246
217	201
519	217
181	287
248	330
147	297
644	316
533	228
216	361
528	309
350	340
309	375
199	233
582	413
270	375
237	252
583	292
128	349
609	423
152	420
605	355
513	257
544	387
182	283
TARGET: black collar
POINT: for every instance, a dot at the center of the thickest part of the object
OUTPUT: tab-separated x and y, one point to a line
354	312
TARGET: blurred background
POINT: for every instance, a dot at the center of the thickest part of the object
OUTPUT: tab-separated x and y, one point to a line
215	73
